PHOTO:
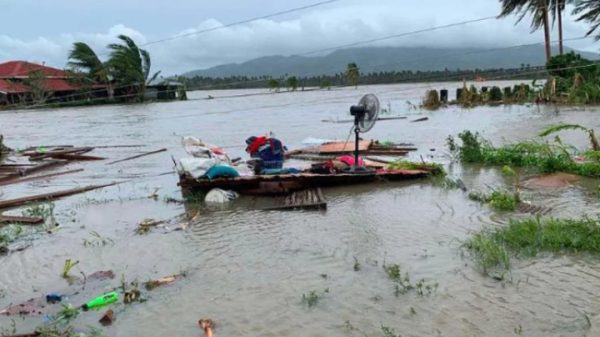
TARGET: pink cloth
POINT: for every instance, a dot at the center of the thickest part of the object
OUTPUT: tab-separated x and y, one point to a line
349	160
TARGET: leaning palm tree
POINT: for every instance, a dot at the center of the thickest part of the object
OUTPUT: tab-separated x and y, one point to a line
131	65
539	10
589	11
83	58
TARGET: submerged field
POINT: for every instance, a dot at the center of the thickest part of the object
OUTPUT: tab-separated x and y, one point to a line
382	257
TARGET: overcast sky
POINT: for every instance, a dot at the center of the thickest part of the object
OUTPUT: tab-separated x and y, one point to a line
44	30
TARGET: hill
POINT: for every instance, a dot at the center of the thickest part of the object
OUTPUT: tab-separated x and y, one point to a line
376	59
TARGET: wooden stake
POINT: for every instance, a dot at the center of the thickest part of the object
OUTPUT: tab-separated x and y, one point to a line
137	156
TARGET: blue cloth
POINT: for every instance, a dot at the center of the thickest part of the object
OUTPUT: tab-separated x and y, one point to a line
274	171
218	171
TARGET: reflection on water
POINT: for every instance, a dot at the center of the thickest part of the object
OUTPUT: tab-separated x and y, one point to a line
247	269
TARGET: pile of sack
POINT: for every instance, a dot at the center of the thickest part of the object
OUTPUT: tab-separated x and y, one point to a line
206	160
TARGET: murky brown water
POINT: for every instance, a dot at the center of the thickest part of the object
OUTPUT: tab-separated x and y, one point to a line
247	269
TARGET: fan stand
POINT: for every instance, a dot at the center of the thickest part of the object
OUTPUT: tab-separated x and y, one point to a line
359	112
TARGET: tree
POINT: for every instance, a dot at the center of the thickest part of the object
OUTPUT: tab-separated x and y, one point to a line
557	8
36	81
274	85
589	11
131	65
292	83
83	58
352	74
538	9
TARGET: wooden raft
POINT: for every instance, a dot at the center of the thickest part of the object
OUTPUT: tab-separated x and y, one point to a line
309	199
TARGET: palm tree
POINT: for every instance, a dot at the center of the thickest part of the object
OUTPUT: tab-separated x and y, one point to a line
539	10
557	7
131	65
83	58
590	12
352	74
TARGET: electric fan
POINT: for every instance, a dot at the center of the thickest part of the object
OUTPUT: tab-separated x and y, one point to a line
365	115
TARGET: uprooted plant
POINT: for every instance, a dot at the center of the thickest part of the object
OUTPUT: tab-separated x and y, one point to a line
527	238
434	168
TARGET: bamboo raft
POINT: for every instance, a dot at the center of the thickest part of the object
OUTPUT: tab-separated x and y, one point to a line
288	183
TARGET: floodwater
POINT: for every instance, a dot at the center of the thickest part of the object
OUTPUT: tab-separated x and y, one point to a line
247	269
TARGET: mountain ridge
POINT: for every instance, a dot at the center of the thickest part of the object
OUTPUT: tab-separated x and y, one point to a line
377	59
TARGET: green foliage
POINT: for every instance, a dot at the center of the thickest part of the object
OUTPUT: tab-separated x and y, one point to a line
431	100
402	284
313	297
434	168
274	85
97	240
500	200
530	237
352	73
495	94
292	83
45	210
69	264
325	84
389	332
570	64
560	127
545	157
130	65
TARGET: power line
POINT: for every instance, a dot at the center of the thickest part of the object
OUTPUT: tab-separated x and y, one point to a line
394	36
288	11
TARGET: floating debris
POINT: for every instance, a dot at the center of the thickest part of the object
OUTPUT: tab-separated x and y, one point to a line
147	225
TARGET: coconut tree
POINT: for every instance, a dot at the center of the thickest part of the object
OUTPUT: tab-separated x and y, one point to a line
557	8
130	65
83	58
352	73
538	9
589	11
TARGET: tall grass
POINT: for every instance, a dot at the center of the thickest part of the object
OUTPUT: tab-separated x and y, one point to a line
544	157
527	238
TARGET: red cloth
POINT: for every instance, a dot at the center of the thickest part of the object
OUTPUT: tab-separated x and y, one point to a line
254	146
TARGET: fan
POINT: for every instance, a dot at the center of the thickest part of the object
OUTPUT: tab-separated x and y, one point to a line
365	115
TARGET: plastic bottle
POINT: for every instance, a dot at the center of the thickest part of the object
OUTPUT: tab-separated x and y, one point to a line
101	301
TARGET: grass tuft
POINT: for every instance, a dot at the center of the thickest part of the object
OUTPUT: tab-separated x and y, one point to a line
490	247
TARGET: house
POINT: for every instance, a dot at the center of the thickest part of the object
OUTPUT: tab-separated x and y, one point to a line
25	82
165	90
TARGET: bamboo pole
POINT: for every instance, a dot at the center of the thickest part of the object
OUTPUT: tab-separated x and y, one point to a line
49	196
137	156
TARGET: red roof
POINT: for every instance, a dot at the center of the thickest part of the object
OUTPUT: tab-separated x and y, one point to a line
9	87
22	69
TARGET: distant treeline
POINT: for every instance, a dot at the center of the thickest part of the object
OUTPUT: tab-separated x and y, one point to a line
383	77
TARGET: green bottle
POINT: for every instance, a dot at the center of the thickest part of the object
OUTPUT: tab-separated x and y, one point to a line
101	301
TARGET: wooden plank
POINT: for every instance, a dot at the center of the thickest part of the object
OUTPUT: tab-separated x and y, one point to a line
33	169
49	196
137	156
341	147
46	176
308	199
24	220
69	156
